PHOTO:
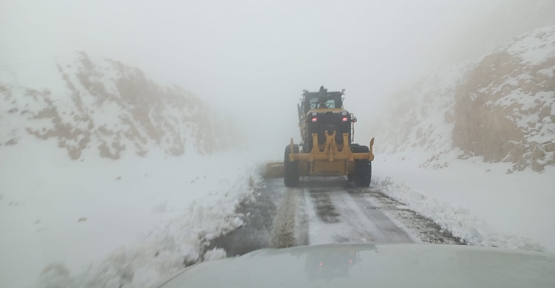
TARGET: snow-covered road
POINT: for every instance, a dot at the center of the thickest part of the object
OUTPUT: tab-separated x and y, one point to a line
323	211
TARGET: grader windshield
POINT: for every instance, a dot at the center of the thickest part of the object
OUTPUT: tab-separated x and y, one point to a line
321	99
314	103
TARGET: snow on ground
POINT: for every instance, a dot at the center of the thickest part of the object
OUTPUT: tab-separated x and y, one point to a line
534	47
476	201
135	219
472	146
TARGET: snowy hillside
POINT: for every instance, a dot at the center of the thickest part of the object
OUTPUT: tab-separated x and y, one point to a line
103	107
501	108
472	146
421	118
88	194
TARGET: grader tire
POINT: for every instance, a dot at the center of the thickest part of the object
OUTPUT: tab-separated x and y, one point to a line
363	174
355	148
291	168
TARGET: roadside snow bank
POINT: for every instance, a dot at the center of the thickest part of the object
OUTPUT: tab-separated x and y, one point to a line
177	244
455	218
145	216
475	201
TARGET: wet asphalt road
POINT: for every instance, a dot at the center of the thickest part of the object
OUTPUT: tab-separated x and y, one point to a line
323	211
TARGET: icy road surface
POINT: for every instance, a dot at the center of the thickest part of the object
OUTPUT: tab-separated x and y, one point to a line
322	211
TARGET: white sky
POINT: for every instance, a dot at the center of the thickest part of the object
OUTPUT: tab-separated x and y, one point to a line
252	55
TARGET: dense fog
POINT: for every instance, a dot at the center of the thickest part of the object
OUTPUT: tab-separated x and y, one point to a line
254	58
134	138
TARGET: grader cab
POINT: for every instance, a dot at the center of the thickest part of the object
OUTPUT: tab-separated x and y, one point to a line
327	148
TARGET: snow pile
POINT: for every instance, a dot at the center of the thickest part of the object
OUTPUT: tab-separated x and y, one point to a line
147	217
177	244
516	207
100	106
215	254
455	218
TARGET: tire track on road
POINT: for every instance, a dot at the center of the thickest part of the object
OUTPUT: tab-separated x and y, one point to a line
386	230
339	217
325	210
290	225
283	228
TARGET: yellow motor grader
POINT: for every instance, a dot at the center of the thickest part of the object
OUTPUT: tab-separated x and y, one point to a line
327	147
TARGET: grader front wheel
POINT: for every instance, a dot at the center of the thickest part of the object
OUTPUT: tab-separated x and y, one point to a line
291	168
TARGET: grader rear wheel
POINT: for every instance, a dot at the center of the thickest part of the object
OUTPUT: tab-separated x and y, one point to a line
363	174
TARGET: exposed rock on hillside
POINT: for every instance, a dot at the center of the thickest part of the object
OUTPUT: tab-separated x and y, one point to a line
109	107
501	108
505	110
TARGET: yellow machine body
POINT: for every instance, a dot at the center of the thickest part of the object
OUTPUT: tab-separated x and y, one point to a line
329	158
325	159
327	133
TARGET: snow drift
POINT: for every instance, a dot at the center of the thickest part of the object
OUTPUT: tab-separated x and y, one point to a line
180	239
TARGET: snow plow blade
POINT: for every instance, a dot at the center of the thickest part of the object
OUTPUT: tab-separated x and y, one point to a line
330	161
273	170
330	151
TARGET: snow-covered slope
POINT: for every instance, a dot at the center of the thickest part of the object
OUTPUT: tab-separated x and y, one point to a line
472	146
421	118
501	108
107	223
108	179
505	109
102	107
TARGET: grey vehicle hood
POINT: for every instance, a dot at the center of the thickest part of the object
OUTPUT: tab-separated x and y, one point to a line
346	265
